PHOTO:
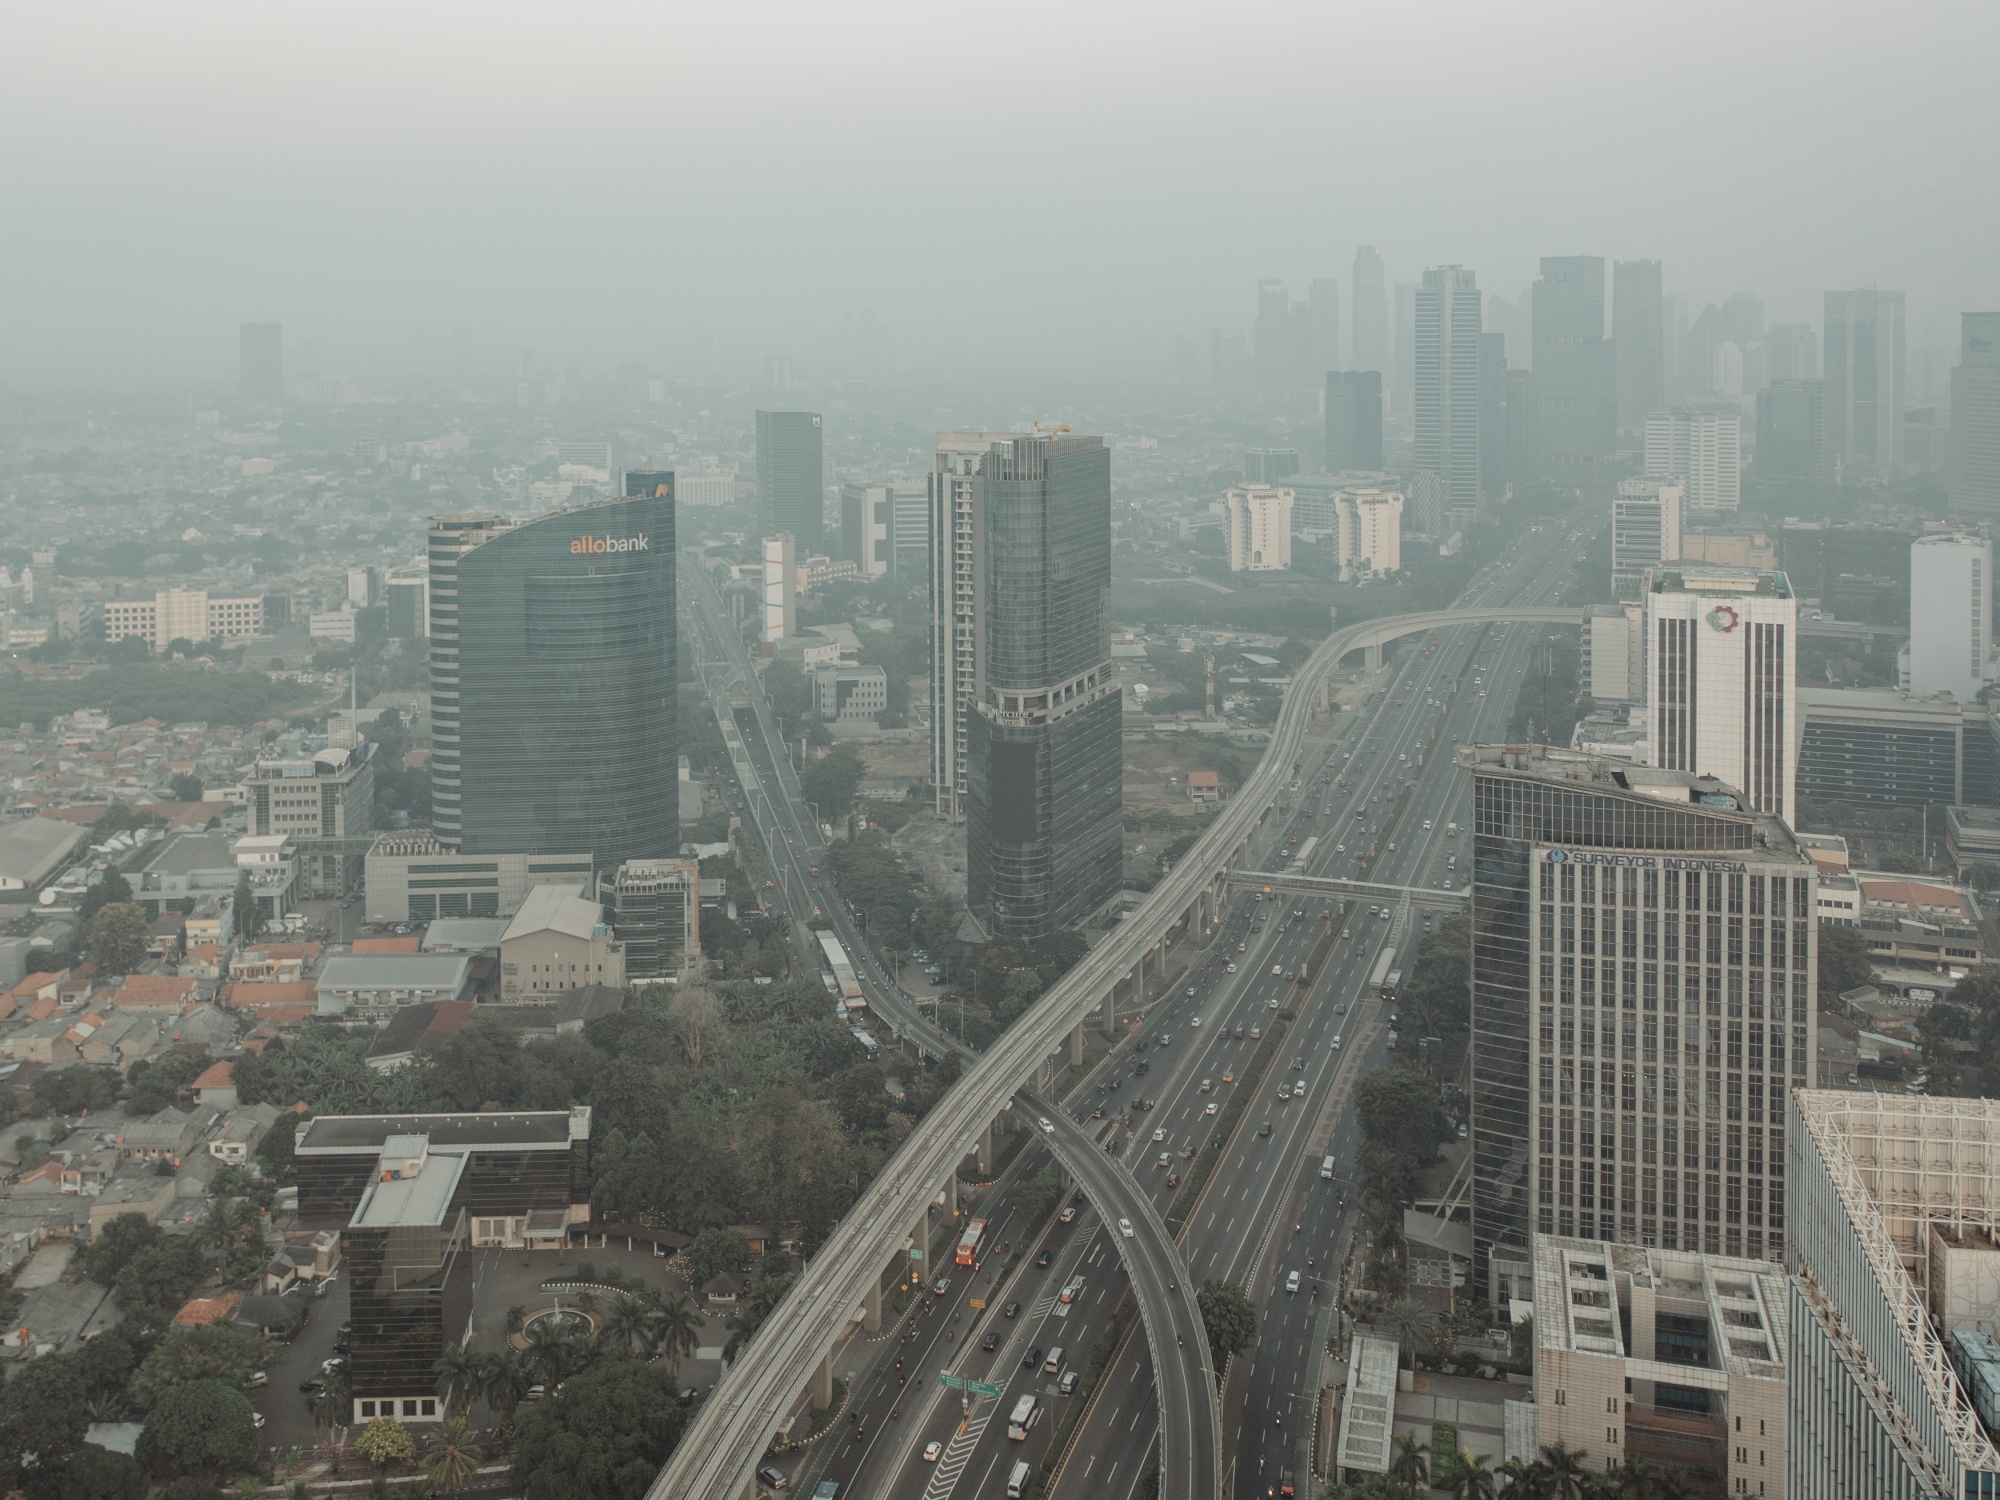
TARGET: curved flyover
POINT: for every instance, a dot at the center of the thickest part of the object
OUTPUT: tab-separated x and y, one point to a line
718	1455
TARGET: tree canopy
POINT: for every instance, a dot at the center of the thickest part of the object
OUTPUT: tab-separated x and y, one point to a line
202	1429
602	1437
1229	1317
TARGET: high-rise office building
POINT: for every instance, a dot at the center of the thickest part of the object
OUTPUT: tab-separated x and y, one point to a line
1269	465
1791	430
1353	421
1403	395
1324	300
1864	383
1447	389
1576	381
1044	760
1702	446
1643	995
1275	341
885	527
1371	314
1646	517
408	596
260	361
1974	464
1951	614
955	522
1493	414
1791	352
791	478
1524	444
1721	670
553	669
1260	528
1895	1374
1638	329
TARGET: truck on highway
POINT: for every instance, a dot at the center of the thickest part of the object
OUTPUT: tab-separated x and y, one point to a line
1017	1482
1384	962
844	983
1027	1411
1451	830
1326	1170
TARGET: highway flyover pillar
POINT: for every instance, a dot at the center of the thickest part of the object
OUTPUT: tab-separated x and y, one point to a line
950	1195
871	1307
1076	1045
983	1152
822	1382
1107	1013
1372	656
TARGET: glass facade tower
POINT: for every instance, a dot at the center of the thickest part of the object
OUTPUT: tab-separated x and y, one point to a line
553	680
1045	768
791	478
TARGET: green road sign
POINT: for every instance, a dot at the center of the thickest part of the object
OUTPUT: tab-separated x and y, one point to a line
981	1388
916	1255
951	1382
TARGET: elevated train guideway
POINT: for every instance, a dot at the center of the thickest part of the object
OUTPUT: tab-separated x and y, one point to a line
718	1456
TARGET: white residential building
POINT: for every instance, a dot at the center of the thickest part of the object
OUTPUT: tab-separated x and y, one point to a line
1260	528
183	615
709	487
1702	448
1721	659
1646	517
1951	614
781	588
954	527
1371	531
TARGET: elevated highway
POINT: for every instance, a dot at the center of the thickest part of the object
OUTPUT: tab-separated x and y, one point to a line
719	1453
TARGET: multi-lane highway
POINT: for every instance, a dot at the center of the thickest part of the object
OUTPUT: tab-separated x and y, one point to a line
1246	1235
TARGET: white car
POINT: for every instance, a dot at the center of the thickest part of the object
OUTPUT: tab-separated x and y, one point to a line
1190	989
1229	968
1048	1125
1194	1021
1125	1228
1212	1109
1158	1136
931	1451
1277	970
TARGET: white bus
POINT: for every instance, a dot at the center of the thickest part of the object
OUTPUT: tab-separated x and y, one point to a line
1025	1414
844	984
1384	962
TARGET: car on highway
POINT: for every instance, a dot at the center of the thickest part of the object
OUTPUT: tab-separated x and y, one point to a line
1042	1260
1231	1077
941	1286
1255	1032
1229	968
1264	1130
1011	1310
1068	1215
1292	1282
1240	947
1048	1125
1158	1136
990	1342
1190	989
1194	1021
1166	1159
1207	1086
775	1478
1212	1108
931	1451
1125	1228
1032	1358
1276	970
1299	1089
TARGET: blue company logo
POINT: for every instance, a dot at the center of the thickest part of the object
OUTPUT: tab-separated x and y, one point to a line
1557	856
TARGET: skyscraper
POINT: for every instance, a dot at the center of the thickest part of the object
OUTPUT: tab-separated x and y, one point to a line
1791	430
1402	398
1646	517
260	361
1576	386
781	587
1353	420
955	521
1275	341
791	478
1638	329
1325	304
1702	446
1371	313
1974	467
1791	352
1721	672
553	669
1604	1102
1447	389
1044	762
1492	414
1951	613
1863	344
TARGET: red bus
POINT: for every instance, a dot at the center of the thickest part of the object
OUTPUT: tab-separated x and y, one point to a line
969	1242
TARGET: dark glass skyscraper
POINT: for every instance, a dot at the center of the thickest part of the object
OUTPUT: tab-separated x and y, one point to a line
1576	377
553	679
1353	420
1045	768
791	479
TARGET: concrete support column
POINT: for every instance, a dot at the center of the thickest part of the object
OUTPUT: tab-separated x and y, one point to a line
871	1307
1076	1045
1373	656
951	1195
985	1150
822	1381
1107	1014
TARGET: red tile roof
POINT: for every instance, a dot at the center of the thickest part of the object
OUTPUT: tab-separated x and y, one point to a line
220	1075
199	1312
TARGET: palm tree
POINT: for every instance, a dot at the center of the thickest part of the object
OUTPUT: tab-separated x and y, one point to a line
553	1351
1524	1481
331	1407
1472	1478
228	1226
453	1458
1567	1476
1410	1467
1412	1322
505	1386
1637	1480
1673	1485
458	1378
674	1328
626	1326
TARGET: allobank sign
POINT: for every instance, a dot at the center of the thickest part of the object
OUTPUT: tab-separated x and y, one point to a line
598	545
1646	862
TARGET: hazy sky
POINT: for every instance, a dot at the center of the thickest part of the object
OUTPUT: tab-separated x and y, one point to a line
1004	185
